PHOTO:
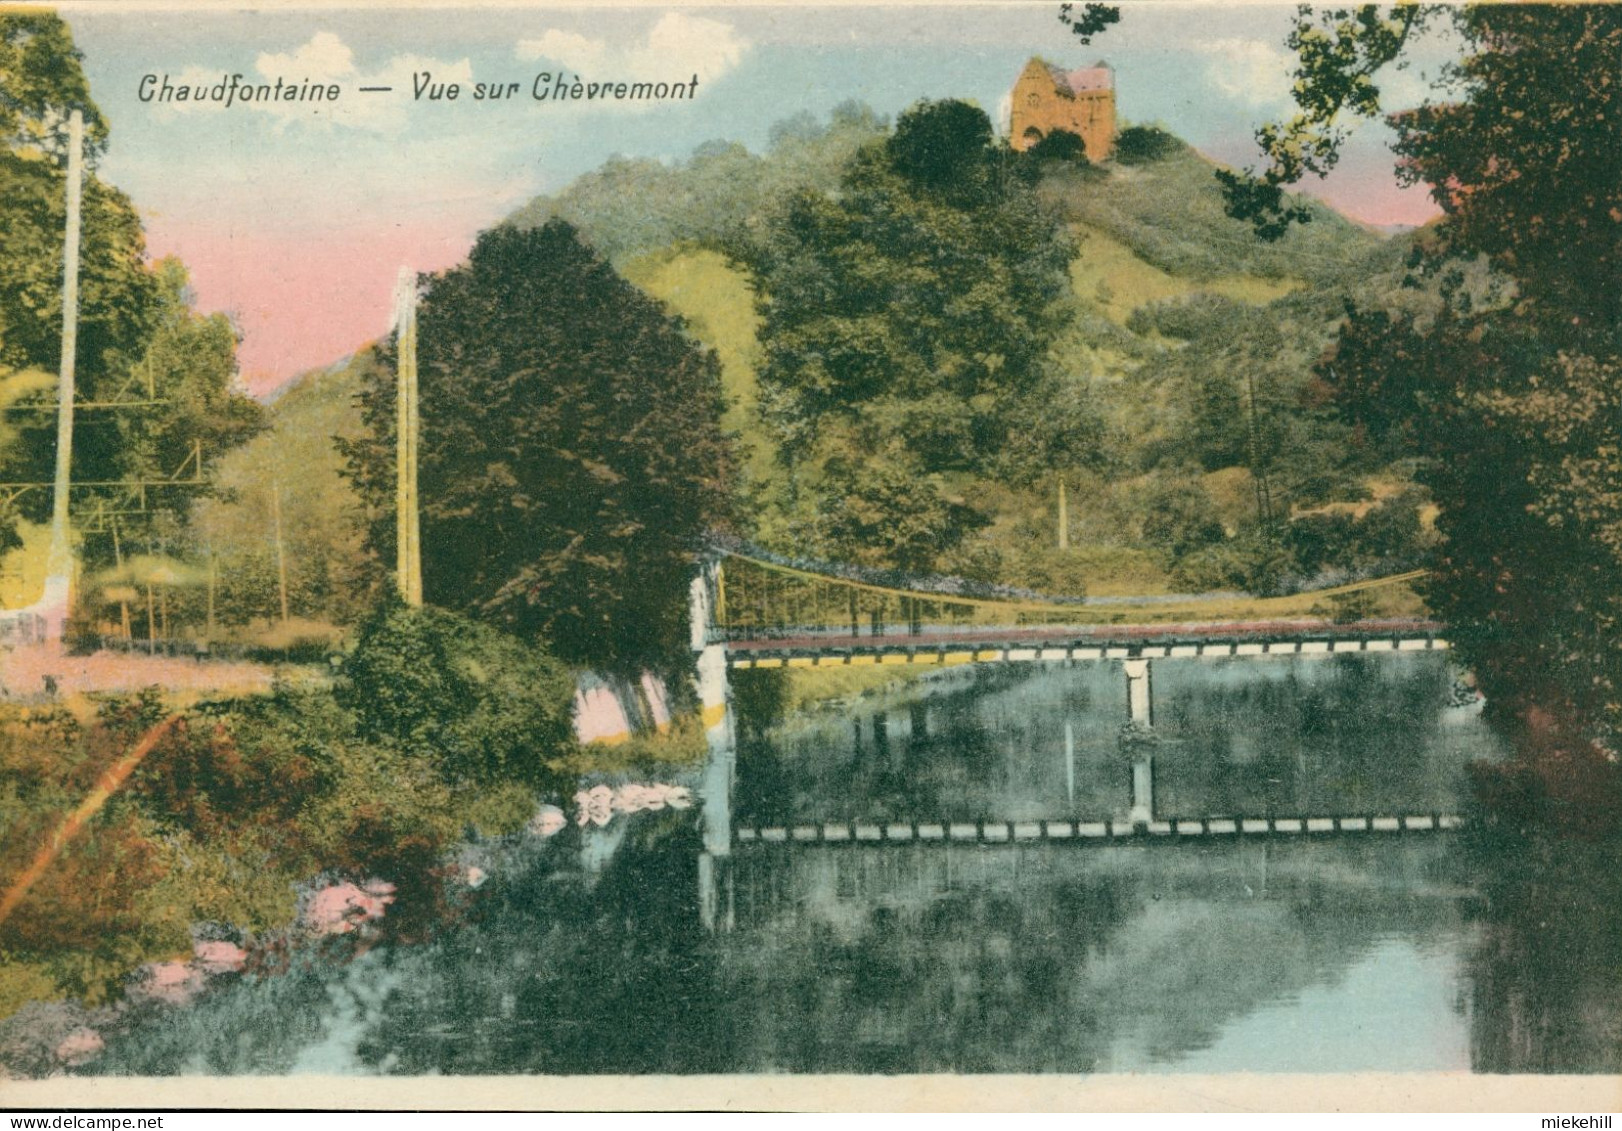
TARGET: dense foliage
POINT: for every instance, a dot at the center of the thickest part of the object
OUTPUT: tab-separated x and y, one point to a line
245	799
571	454
292	470
918	300
1139	145
1513	405
136	328
906	318
632	206
476	703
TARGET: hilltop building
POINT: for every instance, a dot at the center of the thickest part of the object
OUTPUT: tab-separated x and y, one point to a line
1047	98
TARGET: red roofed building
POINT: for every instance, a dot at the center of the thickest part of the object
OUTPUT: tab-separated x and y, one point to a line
1047	98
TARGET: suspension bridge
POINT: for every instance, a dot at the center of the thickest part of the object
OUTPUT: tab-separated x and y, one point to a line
768	614
749	611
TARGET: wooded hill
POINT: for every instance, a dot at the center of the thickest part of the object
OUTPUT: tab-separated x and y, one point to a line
1188	346
1199	450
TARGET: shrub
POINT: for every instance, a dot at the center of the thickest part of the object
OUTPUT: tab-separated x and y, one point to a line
1320	541
482	706
1251	562
1059	146
1181	518
1140	145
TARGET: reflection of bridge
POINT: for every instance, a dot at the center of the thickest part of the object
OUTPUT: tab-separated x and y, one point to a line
1084	832
748	612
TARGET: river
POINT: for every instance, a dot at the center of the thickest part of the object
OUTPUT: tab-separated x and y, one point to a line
1475	950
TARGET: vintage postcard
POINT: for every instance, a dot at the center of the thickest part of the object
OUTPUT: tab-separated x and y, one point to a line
845	555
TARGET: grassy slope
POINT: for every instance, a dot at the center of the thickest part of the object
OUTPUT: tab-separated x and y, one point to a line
714	299
1170	214
1109	274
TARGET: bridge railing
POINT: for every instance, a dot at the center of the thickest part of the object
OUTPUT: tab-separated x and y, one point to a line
757	599
764	600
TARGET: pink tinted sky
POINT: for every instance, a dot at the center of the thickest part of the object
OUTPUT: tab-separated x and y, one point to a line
305	300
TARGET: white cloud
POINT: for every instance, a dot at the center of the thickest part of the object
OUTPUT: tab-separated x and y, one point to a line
1261	74
566	47
676	47
1402	90
326	58
1252	71
686	43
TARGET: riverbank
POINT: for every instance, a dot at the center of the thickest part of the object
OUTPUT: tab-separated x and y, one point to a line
236	850
263	791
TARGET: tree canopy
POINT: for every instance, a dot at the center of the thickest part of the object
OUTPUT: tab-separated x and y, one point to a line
1511	403
907	316
920	297
136	326
41	83
571	457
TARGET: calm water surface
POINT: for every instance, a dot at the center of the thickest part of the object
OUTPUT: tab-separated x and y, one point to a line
1396	953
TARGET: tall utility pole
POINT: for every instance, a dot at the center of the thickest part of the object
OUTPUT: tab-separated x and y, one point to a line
281	549
408	536
1064	519
59	565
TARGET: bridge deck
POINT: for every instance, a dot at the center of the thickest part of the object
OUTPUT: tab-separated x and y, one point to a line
994	644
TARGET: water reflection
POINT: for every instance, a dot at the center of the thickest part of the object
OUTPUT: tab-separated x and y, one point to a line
1396	953
1064	959
1546	964
1325	735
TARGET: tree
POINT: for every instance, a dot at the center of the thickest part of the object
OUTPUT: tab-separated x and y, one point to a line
475	703
881	511
1521	158
41	83
1144	145
118	295
912	309
134	321
919	296
1514	404
571	457
330	576
1180	519
1092	20
1059	146
632	206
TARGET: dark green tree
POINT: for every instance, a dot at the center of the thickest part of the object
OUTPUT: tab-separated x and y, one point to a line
911	311
41	83
1180	518
882	511
1059	146
1143	145
118	295
571	455
479	705
917	298
1512	405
